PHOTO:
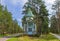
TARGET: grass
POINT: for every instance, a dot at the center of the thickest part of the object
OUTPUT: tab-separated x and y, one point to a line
1	35
13	39
48	37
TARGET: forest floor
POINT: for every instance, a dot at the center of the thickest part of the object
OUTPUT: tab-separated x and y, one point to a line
6	37
56	35
48	37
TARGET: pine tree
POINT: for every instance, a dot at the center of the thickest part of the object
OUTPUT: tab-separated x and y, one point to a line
41	14
7	24
56	8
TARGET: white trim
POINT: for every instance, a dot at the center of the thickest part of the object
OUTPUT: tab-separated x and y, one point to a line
24	26
27	26
35	27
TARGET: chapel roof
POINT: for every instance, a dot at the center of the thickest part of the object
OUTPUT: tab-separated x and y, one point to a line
29	13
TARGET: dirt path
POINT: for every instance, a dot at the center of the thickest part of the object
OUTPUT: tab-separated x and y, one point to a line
57	36
7	37
3	39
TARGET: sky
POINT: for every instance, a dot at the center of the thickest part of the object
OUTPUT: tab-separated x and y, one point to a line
16	7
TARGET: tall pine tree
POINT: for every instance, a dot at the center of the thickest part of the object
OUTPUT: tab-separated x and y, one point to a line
41	14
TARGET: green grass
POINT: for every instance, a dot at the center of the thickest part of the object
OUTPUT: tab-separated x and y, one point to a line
1	35
48	37
13	39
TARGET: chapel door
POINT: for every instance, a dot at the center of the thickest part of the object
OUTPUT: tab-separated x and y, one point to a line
30	28
29	31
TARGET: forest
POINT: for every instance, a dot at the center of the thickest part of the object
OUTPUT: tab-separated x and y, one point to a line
47	25
7	24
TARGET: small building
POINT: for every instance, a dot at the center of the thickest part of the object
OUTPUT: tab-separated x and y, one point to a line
29	26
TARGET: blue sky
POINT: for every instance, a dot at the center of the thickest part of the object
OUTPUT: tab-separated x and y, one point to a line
16	7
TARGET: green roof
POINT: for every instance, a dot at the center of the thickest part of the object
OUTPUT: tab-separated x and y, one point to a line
29	13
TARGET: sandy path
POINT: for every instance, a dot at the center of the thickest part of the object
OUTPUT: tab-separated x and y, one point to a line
3	39
57	36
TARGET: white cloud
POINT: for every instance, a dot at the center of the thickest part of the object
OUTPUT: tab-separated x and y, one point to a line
49	1
49	4
2	2
16	2
19	20
13	2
